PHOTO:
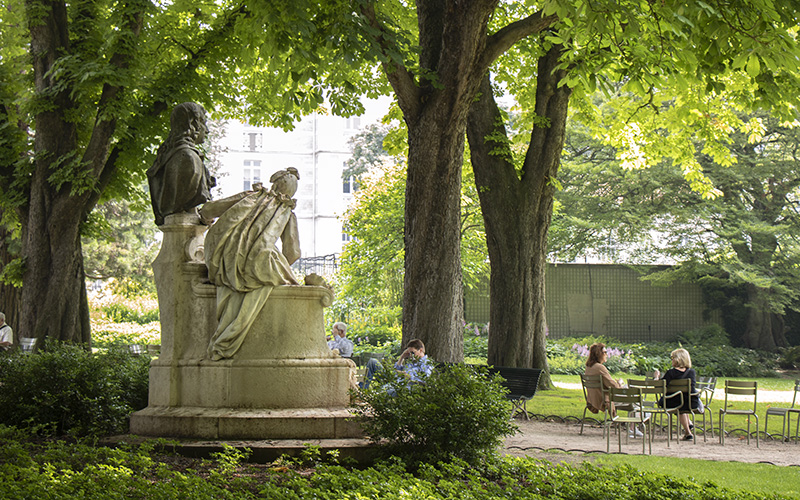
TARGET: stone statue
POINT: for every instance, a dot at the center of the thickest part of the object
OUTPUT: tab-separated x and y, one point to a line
242	258
179	181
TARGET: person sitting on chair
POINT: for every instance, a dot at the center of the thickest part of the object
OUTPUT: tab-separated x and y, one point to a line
682	368
413	363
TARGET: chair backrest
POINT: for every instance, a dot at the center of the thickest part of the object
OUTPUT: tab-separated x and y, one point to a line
591	382
649	386
706	386
706	383
683	385
631	396
741	388
520	382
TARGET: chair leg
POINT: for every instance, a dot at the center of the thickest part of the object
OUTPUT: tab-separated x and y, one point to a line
748	425
582	421
722	428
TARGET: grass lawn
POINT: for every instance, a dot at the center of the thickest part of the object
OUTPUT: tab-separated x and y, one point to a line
758	478
784	481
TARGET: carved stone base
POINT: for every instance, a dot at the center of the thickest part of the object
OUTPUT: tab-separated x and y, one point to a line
230	423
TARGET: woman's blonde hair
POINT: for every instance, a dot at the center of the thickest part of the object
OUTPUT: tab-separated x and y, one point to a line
682	358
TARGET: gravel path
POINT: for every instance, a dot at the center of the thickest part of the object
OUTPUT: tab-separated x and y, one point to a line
560	442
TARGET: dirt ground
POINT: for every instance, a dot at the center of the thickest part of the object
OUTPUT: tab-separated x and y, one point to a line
560	442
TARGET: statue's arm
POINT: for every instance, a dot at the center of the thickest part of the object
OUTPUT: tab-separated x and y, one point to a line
290	239
213	209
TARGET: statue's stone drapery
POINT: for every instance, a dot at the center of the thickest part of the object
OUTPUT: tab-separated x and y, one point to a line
244	262
178	178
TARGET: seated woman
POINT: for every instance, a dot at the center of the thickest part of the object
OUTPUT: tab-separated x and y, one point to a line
682	368
596	399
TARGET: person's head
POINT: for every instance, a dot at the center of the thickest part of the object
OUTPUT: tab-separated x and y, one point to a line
416	347
339	329
597	354
285	181
680	358
189	119
2	319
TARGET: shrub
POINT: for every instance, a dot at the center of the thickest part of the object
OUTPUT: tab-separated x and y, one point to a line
476	340
121	313
457	412
65	389
709	335
790	358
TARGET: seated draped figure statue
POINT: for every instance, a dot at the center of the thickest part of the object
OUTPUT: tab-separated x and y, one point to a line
242	257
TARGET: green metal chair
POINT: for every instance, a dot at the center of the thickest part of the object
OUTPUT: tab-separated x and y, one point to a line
786	413
657	390
631	397
593	382
739	388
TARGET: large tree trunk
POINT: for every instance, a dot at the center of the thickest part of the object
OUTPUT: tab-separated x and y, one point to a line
452	41
455	54
765	329
54	292
517	210
432	301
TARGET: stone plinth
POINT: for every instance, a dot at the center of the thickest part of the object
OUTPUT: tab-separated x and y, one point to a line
283	383
227	423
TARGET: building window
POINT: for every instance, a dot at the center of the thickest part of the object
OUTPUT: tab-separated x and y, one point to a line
252	141
251	174
349	185
345	237
353	123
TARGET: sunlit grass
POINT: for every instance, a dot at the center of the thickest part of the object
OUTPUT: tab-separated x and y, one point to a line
758	478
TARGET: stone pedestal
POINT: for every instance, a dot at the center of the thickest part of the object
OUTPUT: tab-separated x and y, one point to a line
284	383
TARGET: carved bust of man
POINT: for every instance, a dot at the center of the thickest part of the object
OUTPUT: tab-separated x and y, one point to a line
178	179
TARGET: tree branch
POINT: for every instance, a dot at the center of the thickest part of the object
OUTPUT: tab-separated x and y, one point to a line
502	40
405	86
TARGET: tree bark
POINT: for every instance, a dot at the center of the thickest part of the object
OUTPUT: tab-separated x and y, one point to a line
517	209
452	41
765	330
432	300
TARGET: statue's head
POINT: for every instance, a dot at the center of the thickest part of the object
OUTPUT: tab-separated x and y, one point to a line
285	181
189	118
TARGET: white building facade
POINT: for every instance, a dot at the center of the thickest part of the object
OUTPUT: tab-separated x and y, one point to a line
318	148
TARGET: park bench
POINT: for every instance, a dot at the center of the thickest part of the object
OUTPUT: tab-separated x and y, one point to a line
521	384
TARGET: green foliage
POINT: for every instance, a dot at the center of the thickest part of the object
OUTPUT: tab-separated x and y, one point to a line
420	420
476	341
709	335
372	265
65	389
58	469
790	358
121	313
568	356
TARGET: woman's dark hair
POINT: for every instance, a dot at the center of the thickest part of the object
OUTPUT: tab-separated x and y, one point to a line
595	354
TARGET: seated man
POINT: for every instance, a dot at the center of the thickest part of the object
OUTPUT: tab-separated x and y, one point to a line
413	363
6	334
340	340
